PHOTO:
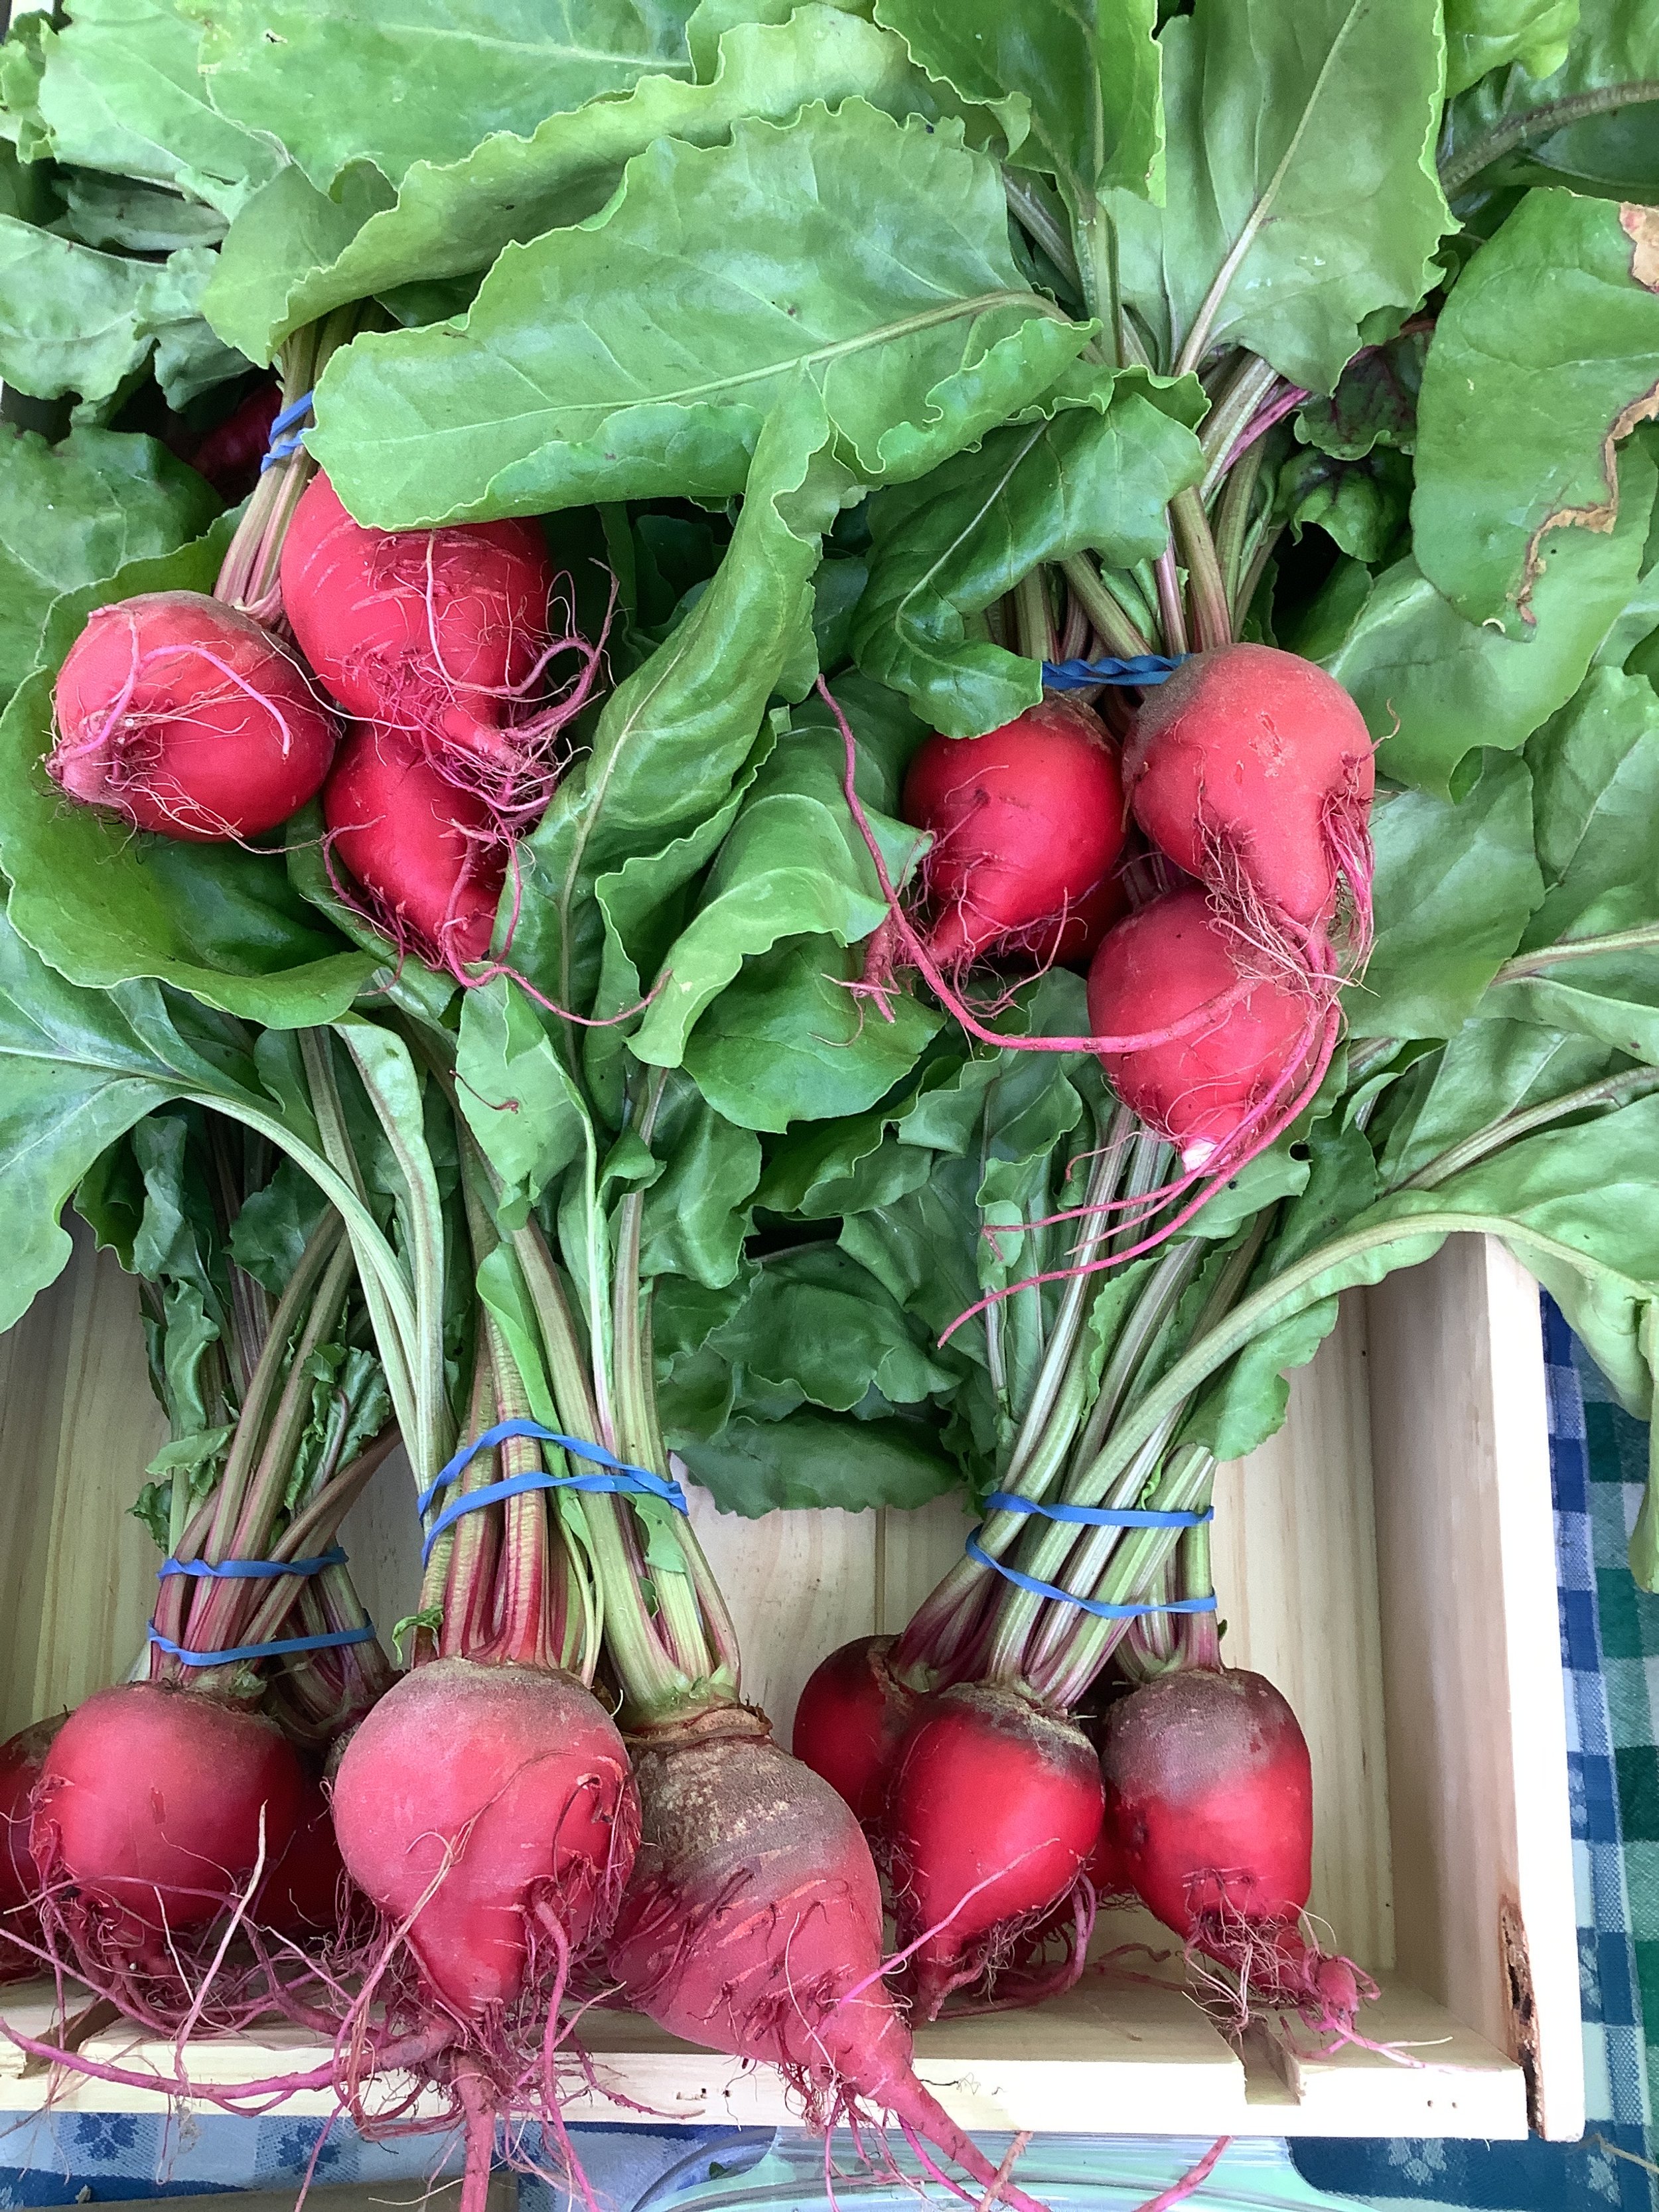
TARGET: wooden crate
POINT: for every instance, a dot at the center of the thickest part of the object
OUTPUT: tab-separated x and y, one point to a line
1387	1559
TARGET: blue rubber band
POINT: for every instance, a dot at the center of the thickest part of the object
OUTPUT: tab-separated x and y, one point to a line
282	448
1097	1517
240	1651
620	1477
295	411
1098	1606
250	1571
1145	669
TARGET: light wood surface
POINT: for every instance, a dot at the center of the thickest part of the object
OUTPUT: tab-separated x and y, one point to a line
1295	1562
1471	1661
1387	1559
79	1423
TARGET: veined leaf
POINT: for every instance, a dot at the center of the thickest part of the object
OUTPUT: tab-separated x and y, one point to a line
1572	104
426	83
640	353
120	91
1432	686
1301	193
674	738
1544	357
75	320
1086	76
298	251
1455	885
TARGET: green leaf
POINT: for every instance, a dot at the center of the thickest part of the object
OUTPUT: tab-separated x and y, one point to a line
1362	506
81	1067
429	83
120	91
112	212
1302	194
1580	117
1489	34
517	1096
787	1041
816	1326
793	864
699	1210
1491	1068
1099	477
1454	887
1544	357
1082	79
298	251
1432	686
1595	779
673	739
73	513
639	355
105	905
813	1460
75	320
1375	403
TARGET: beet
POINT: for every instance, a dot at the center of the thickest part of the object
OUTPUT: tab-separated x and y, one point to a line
851	1722
433	633
489	1809
991	1815
1233	1080
753	1925
152	1808
186	716
430	856
1027	825
1252	770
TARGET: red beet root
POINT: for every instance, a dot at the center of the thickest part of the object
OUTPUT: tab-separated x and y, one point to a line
1209	1796
435	633
1028	830
154	1807
753	1925
230	454
187	717
1252	765
303	1896
1231	1079
431	856
991	1815
21	1758
851	1723
490	1808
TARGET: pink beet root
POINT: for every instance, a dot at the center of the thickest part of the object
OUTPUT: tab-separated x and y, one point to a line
1253	767
1232	1079
154	1808
186	717
1027	830
438	633
431	856
21	1758
1209	1796
851	1721
753	1925
991	1817
490	1809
